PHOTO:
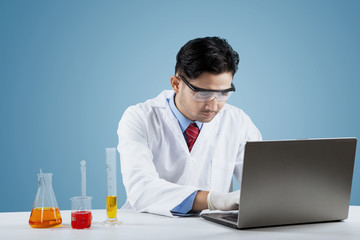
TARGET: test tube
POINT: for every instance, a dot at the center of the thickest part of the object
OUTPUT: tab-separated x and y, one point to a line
111	204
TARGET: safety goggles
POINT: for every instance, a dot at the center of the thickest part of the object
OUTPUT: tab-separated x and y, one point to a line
205	95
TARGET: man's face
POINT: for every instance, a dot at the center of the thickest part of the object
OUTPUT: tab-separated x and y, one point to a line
193	109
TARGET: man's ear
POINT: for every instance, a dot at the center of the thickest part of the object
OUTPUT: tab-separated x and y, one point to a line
175	83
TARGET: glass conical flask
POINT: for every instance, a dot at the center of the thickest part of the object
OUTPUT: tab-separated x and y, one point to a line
45	212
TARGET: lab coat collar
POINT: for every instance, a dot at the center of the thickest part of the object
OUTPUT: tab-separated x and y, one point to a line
183	121
160	100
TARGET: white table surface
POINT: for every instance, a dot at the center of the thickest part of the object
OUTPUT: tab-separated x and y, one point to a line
14	225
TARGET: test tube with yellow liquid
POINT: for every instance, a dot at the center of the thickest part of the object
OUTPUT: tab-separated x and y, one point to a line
111	193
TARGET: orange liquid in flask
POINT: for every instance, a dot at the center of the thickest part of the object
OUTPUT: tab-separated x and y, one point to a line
45	217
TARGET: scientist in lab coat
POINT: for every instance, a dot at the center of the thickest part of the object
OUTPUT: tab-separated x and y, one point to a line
180	150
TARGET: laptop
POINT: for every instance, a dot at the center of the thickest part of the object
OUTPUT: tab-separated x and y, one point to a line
293	182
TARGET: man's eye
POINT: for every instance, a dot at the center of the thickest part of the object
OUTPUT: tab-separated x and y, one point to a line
204	94
225	93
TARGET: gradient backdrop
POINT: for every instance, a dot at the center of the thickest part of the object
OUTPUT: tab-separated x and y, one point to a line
69	69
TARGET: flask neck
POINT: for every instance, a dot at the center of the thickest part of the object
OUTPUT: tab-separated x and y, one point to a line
45	197
45	178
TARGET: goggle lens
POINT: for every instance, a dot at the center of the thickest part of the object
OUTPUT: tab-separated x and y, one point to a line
208	96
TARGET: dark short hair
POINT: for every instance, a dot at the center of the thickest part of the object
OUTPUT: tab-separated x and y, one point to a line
208	54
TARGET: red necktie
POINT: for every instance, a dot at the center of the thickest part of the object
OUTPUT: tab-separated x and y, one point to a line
191	134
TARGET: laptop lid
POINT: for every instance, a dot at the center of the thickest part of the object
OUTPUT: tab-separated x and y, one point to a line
296	181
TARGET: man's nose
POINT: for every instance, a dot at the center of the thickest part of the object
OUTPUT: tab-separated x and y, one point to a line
212	104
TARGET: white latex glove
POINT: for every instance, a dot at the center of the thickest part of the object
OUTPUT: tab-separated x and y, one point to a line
223	201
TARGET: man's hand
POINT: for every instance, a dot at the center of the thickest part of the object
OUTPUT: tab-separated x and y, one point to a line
223	201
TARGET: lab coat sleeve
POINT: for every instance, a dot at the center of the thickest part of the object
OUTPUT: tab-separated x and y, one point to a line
251	134
146	191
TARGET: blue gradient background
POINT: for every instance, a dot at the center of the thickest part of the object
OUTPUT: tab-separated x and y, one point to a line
69	69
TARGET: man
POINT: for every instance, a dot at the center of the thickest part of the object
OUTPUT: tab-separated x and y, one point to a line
179	151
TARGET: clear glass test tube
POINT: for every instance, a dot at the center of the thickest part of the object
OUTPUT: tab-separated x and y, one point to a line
111	193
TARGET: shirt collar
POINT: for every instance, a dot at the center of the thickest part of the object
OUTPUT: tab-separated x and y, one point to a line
183	121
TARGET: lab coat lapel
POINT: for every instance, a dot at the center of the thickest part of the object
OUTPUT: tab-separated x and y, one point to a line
172	122
174	126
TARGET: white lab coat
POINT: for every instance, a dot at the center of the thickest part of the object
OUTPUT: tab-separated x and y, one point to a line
157	169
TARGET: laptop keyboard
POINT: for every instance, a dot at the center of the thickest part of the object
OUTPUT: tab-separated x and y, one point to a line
231	217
